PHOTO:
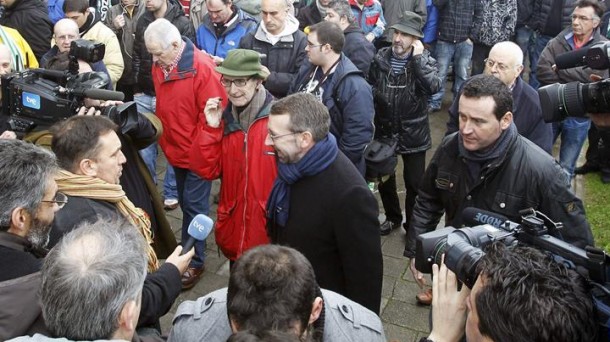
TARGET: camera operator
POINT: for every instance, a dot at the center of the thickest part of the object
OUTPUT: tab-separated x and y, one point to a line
488	165
521	294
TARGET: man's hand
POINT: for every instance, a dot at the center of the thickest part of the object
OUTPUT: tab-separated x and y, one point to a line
8	135
370	37
418	47
417	275
119	21
213	111
448	306
217	60
180	261
91	106
601	121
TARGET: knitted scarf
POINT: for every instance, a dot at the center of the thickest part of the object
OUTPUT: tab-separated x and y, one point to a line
316	160
96	189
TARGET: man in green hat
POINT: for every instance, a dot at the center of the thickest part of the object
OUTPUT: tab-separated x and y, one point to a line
232	146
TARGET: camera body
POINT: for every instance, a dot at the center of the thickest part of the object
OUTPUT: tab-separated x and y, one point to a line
559	101
37	98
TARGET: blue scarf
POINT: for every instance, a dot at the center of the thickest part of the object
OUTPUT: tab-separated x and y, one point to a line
316	160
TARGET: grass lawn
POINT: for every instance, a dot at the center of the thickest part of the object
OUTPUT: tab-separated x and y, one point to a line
597	206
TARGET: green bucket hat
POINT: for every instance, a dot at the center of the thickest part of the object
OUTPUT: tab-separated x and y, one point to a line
240	63
410	23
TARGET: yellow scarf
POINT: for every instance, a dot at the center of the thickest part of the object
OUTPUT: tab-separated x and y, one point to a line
94	188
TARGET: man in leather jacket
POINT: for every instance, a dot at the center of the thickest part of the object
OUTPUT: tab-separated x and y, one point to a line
488	165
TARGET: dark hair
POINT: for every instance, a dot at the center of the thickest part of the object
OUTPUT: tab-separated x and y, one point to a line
343	9
480	86
306	114
598	6
271	287
61	61
267	336
329	33
78	138
527	296
76	6
25	170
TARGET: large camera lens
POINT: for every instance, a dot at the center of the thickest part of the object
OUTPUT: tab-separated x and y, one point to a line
559	101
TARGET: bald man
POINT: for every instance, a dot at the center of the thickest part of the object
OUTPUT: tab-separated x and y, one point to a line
505	62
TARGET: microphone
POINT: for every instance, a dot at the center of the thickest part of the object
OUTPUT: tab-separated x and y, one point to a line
571	59
474	216
101	94
199	229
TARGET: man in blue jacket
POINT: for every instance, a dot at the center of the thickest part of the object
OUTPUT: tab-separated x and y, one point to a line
340	86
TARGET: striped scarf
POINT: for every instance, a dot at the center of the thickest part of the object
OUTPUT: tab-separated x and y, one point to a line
17	57
96	189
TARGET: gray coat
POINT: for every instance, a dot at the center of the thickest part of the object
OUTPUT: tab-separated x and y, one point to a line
206	319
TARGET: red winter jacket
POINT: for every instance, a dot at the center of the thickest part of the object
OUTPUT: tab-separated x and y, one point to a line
247	168
181	97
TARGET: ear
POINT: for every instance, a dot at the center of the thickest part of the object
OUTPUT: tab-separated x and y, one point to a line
20	222
87	167
316	310
128	319
306	140
506	120
519	69
234	326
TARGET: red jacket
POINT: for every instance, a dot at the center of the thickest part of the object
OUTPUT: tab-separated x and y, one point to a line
248	169
181	98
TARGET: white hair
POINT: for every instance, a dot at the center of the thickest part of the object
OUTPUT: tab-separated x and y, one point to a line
163	32
510	48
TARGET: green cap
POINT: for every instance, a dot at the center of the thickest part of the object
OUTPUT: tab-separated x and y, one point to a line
242	62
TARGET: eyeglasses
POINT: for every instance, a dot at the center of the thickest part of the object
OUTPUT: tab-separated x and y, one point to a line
60	198
582	18
490	63
66	37
240	82
275	137
312	45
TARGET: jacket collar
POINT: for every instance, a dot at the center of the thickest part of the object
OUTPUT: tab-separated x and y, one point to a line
232	126
185	68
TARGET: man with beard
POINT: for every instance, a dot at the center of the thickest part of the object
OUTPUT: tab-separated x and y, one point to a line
29	200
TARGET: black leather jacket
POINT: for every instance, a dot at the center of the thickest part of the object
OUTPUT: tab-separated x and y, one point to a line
524	177
401	99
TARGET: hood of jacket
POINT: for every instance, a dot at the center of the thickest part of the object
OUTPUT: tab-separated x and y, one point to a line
292	25
353	27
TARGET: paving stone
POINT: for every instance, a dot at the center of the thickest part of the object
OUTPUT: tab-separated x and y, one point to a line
406	315
395	333
394	267
387	288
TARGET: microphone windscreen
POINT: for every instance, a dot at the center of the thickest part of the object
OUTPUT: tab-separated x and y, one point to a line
571	59
200	227
473	216
103	94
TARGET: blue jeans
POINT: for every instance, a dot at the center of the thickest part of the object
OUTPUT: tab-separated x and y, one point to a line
573	135
523	38
460	53
194	198
539	44
147	104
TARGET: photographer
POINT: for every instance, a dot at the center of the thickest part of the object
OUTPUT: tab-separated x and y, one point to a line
521	294
488	165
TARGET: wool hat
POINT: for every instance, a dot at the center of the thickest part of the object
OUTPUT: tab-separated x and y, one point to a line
410	23
242	62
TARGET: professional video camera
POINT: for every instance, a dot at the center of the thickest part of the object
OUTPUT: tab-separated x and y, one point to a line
463	249
37	98
559	101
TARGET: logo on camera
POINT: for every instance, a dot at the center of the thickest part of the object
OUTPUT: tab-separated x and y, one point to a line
31	100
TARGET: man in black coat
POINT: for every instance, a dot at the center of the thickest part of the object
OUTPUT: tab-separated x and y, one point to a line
31	19
28	202
320	204
404	76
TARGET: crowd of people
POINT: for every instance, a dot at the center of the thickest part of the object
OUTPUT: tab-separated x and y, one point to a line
281	101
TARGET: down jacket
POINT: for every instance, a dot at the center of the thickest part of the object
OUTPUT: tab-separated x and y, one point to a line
142	60
370	17
400	111
247	168
229	40
523	177
181	97
126	36
31	19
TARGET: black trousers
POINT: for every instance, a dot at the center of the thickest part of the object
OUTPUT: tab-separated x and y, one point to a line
414	166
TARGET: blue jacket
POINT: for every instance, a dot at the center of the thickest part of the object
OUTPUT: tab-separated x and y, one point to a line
430	28
370	17
352	117
527	116
56	11
219	46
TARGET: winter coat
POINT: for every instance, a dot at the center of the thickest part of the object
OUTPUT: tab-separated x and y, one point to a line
402	111
370	17
525	13
247	168
496	23
542	10
523	177
351	110
181	97
527	116
126	36
31	19
456	19
142	60
25	53
309	15
219	46
430	28
359	50
558	45
282	59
